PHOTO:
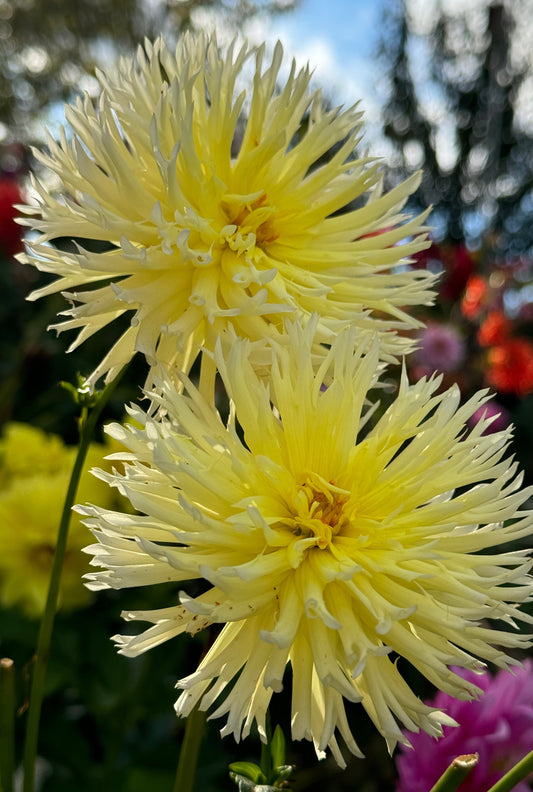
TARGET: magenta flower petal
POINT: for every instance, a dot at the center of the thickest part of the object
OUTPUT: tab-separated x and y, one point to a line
498	726
441	348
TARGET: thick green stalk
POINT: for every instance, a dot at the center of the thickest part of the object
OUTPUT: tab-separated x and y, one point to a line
190	747
47	623
7	724
455	773
515	775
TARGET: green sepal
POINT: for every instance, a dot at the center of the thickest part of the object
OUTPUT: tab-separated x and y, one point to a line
81	393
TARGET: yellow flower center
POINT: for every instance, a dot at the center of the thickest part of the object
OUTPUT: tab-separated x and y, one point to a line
250	220
320	510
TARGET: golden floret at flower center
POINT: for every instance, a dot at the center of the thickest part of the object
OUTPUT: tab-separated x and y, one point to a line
320	510
252	217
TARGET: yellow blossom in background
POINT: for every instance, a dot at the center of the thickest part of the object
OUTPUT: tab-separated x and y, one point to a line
26	450
35	470
323	547
221	207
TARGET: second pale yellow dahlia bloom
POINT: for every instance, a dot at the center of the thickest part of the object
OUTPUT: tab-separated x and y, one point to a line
320	547
214	205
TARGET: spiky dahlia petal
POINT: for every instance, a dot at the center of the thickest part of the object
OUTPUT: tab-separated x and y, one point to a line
218	207
322	547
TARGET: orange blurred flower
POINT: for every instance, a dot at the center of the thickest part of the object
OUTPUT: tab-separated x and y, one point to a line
475	293
494	330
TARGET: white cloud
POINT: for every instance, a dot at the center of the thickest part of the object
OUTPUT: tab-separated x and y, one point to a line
344	77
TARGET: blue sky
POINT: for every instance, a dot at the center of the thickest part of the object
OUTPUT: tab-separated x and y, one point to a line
349	28
339	39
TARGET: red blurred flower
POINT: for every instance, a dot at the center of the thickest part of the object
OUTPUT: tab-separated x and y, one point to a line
475	293
495	329
423	257
525	313
10	232
458	268
377	233
511	366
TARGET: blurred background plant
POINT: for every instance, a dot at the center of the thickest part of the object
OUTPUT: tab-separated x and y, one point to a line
455	83
457	102
35	469
480	333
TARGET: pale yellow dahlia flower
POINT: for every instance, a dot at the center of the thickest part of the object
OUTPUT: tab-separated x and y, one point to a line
221	207
320	548
35	470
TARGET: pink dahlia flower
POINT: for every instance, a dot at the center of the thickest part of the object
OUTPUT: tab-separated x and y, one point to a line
441	348
491	409
498	727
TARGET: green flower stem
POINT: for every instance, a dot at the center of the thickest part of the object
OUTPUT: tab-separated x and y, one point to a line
7	724
190	747
516	774
455	773
45	633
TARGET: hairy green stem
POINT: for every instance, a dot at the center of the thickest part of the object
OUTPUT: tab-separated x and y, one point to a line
516	774
47	623
455	773
7	724
190	747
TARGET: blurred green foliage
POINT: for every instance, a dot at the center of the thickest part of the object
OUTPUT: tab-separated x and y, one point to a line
50	48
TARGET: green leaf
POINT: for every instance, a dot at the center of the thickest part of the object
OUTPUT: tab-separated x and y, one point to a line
249	770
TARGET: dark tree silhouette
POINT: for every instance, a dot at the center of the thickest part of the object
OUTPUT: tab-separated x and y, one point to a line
477	158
